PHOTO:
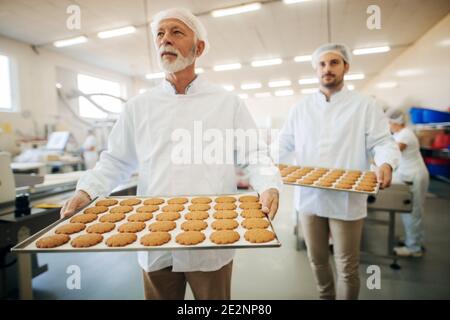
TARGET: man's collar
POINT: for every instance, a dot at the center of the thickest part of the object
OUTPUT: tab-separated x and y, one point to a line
193	87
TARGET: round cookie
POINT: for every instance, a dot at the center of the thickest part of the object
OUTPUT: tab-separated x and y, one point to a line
173	207
252	213
190	238
255	223
224	224
84	218
140	216
153	201
367	184
168	216
225	214
290	179
155	239
202	200
148	208
101	227
178	201
132	227
96	210
248	199
199	207
196	215
86	240
250	205
162	226
70	228
130	202
121	239
194	225
225	199
112	217
224	236
107	202
324	184
259	235
121	209
306	181
343	186
52	241
365	188
225	206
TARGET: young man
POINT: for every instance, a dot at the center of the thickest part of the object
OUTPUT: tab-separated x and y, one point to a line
336	128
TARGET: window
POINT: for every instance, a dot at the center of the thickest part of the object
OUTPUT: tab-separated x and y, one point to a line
6	99
88	85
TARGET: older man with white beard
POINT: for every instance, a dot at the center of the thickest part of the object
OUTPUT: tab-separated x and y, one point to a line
141	140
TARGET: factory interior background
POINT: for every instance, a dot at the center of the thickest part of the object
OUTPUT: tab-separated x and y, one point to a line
63	85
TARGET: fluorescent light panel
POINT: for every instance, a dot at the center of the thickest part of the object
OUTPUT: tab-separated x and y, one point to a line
236	10
70	42
283	93
250	86
225	67
279	83
268	62
308	81
354	76
116	32
362	51
303	58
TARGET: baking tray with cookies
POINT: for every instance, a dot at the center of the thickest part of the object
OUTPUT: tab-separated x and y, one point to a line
355	181
158	223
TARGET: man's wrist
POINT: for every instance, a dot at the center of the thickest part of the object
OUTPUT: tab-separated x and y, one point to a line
84	193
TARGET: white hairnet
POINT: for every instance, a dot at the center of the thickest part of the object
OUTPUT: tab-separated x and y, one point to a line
396	116
186	17
339	49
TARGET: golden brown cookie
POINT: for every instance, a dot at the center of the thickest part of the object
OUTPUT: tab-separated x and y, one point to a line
121	209
367	184
199	207
194	225
70	228
224	224
282	166
155	239
112	217
324	184
178	201
168	216
306	181
130	202
153	201
365	188
252	213
355	172
132	227
255	223
190	237
290	179
259	235
225	214
101	227
203	200
196	215
250	205
52	241
86	240
225	206
162	226
140	216
173	207
225	199
224	236
121	239
107	202
148	208
248	199
84	218
96	210
343	186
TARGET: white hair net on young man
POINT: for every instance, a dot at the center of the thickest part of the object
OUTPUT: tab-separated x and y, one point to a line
339	49
187	18
396	116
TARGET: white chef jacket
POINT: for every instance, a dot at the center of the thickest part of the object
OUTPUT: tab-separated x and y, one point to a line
411	163
344	132
141	140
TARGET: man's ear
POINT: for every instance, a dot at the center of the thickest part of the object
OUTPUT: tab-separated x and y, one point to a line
346	67
200	47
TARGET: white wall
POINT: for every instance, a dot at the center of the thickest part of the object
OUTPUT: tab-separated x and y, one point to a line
36	74
430	88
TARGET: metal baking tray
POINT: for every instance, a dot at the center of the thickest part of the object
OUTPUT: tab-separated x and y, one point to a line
29	245
332	188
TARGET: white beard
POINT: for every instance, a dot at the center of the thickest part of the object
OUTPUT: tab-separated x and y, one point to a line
180	62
